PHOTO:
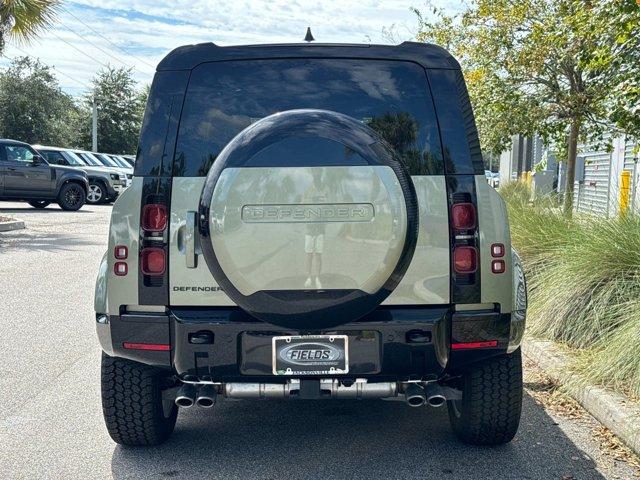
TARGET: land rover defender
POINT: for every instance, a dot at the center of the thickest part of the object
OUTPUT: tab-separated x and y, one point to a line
310	221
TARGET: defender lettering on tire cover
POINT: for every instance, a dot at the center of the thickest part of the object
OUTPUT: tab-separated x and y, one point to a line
253	211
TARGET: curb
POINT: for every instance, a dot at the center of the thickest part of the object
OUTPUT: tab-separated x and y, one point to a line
614	411
12	225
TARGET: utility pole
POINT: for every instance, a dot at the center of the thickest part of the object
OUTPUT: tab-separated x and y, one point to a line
94	131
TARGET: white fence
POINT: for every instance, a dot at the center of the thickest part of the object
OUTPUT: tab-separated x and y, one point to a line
598	177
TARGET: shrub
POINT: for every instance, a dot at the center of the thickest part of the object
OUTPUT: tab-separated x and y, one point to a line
584	284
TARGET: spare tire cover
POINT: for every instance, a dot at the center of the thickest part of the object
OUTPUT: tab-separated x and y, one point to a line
308	246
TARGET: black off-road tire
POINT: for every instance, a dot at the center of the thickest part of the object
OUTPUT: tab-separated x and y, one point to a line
71	197
39	204
132	403
489	412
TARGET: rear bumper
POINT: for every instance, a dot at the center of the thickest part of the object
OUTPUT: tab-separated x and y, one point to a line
390	344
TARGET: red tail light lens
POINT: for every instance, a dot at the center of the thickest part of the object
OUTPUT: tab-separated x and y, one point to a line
154	217
498	266
463	216
121	252
152	262
470	345
157	347
465	259
120	269
497	250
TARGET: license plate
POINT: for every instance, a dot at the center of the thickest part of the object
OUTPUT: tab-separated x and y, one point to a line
311	355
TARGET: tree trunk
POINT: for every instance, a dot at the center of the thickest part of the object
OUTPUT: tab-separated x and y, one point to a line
572	151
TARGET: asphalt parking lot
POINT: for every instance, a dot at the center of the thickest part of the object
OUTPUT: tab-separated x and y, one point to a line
51	420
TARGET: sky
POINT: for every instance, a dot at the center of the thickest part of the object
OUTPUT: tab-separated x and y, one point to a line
89	34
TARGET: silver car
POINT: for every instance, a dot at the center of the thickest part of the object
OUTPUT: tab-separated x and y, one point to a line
105	184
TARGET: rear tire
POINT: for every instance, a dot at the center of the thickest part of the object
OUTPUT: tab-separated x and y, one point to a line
132	403
489	412
71	197
40	204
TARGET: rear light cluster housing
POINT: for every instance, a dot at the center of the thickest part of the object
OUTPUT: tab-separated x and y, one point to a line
154	221
463	223
153	260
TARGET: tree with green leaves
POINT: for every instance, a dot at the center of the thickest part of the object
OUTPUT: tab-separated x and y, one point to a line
550	67
23	19
33	108
120	110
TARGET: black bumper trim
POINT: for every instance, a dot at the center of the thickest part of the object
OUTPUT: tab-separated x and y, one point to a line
413	342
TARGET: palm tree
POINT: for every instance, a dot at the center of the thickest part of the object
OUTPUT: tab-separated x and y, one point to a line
22	19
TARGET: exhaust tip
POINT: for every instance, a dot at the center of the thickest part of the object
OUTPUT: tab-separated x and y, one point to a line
205	402
184	402
206	397
414	395
416	401
436	400
186	396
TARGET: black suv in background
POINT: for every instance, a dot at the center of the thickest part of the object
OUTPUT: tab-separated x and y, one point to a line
25	175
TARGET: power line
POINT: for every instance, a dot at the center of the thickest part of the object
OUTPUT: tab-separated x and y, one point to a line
96	46
86	85
108	41
77	49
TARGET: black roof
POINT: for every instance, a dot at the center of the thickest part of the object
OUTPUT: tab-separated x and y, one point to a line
426	54
8	141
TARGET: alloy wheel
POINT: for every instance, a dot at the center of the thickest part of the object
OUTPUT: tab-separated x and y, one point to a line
72	196
95	193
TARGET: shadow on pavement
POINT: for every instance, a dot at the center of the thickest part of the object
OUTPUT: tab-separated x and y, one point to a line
50	209
39	241
347	440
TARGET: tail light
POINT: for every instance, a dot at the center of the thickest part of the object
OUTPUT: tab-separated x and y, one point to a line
153	261
465	259
498	266
154	217
157	347
463	216
472	345
120	269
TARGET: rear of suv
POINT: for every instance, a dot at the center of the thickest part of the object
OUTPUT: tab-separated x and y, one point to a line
310	222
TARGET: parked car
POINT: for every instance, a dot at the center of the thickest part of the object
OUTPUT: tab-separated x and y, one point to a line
107	161
90	159
130	159
301	247
121	161
493	179
496	179
105	184
26	176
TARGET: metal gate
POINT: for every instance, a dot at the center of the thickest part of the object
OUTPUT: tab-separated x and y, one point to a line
591	191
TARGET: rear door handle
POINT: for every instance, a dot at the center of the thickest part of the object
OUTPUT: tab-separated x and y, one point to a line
190	240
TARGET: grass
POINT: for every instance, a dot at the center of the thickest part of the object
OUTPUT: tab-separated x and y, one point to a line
584	284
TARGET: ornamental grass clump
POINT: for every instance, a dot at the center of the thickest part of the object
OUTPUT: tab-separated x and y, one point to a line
584	284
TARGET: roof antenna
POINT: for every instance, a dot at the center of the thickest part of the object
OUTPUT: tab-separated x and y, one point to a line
308	37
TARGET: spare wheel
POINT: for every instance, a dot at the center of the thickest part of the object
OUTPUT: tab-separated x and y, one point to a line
307	219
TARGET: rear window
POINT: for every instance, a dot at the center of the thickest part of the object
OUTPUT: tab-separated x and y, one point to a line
392	97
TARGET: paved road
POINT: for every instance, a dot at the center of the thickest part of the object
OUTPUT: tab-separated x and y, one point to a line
51	423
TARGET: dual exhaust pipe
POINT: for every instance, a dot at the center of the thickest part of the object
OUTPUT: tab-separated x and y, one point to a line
189	395
415	394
